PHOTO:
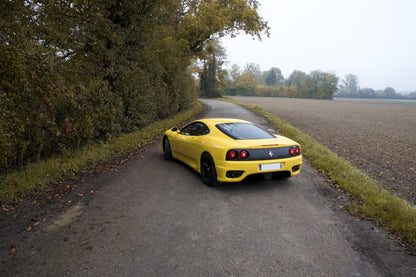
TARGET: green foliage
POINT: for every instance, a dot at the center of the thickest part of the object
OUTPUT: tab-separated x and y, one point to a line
276	91
37	176
303	84
318	84
370	199
80	71
211	75
245	83
274	77
203	19
325	84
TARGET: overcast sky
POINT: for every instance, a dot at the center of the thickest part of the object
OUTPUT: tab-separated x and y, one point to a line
373	39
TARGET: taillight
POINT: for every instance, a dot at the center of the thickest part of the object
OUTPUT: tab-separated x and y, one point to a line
243	154
294	150
237	155
232	154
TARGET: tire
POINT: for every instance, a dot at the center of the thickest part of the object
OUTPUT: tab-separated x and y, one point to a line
167	151
208	172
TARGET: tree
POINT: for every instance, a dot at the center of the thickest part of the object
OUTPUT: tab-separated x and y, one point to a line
232	75
271	78
245	83
274	77
199	20
255	71
366	93
349	85
230	79
77	71
325	84
389	92
302	83
212	76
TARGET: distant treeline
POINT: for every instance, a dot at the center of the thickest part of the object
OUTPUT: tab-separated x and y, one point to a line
253	82
349	87
387	93
72	72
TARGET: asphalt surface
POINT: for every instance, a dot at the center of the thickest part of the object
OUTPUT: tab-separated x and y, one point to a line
153	217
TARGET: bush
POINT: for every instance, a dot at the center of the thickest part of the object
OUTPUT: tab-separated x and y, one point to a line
59	92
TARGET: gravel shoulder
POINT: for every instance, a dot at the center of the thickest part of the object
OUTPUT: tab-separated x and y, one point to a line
376	136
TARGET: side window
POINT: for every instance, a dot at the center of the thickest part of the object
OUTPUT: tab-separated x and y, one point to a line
186	130
203	129
195	129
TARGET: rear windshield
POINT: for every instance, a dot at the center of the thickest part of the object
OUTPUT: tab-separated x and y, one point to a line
243	131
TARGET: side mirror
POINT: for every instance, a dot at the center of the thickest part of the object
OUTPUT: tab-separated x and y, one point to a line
174	129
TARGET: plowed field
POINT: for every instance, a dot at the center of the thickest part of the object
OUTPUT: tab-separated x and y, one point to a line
377	136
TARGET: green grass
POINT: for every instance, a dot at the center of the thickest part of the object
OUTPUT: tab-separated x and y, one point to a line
369	198
39	175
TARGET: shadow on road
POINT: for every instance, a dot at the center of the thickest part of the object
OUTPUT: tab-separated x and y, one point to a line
255	183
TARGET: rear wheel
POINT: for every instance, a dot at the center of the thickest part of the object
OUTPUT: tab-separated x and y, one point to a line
208	172
167	152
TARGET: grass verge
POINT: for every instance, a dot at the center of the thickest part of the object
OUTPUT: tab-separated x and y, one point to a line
369	198
39	175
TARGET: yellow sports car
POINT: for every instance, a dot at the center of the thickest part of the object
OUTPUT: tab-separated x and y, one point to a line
228	150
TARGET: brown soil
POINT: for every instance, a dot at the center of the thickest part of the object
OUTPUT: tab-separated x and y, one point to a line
376	136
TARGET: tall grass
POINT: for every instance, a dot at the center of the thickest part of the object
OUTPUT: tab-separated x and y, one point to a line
369	198
39	175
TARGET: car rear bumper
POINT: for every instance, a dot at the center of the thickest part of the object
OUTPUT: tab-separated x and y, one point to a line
238	170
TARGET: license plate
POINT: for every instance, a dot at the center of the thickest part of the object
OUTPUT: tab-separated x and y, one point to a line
275	166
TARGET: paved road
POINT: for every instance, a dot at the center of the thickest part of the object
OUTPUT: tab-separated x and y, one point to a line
156	218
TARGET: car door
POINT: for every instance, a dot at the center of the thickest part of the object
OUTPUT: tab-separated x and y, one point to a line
190	141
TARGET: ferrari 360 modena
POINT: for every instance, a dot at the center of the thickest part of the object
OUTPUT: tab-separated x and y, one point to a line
229	150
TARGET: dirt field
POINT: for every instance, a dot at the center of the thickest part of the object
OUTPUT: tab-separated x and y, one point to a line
377	136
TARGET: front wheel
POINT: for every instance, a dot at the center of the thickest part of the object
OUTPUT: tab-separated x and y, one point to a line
208	172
